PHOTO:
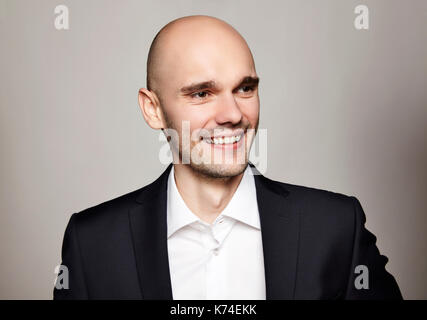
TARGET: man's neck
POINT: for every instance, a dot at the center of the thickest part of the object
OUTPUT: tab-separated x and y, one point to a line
205	197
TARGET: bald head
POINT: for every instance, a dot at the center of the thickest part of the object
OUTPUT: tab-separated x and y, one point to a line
201	83
190	38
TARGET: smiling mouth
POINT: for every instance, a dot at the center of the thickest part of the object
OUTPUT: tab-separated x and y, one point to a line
224	140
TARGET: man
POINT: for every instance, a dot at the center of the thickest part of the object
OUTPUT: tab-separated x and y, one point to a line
211	227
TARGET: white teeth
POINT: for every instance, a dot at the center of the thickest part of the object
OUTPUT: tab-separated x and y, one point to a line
225	140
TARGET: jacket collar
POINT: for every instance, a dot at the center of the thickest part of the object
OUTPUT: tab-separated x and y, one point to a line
280	226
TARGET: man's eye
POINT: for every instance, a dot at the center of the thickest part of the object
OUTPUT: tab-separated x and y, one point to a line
200	94
246	89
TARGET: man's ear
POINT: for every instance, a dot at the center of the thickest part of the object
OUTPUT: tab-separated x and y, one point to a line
150	107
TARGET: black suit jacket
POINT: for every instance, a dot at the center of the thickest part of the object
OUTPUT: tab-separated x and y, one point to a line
312	241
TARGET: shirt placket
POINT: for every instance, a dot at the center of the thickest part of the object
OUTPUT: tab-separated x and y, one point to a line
215	274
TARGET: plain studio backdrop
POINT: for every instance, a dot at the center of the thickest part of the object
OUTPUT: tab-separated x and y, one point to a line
345	109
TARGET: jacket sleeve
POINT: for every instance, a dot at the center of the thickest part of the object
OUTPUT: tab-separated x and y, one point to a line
368	278
72	260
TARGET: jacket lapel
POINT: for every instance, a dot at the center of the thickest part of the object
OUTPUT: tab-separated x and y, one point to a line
149	232
280	227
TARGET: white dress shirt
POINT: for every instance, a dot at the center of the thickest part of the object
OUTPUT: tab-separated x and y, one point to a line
219	261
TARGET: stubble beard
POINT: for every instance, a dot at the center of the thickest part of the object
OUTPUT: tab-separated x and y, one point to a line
212	170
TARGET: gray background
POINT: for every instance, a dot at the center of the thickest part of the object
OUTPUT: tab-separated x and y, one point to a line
346	111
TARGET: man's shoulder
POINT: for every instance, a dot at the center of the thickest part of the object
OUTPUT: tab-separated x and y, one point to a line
328	214
320	202
298	192
109	212
114	212
308	192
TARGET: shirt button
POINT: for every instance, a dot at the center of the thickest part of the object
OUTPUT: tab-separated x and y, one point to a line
215	251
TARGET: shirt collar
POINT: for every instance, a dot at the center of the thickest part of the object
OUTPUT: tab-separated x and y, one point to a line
243	205
178	214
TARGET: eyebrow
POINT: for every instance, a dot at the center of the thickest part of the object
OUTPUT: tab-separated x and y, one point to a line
198	86
248	80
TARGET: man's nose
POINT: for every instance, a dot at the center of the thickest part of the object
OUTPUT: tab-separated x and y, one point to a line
228	110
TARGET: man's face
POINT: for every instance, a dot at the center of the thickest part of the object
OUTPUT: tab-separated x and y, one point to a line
210	86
